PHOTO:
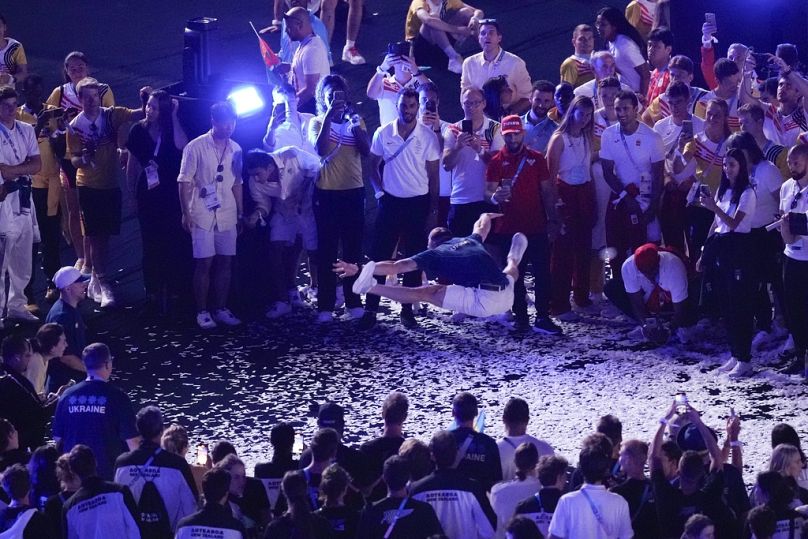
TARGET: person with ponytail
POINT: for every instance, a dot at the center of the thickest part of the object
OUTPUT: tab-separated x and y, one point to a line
298	521
506	495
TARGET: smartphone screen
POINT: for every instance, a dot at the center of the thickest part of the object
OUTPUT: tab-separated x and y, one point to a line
687	127
202	454
339	95
709	18
467	127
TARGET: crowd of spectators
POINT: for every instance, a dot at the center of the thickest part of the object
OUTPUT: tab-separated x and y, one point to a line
638	195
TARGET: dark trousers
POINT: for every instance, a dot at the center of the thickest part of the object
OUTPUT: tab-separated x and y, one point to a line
731	273
49	234
462	217
795	287
340	217
625	231
768	257
537	256
615	290
672	218
399	221
167	252
698	226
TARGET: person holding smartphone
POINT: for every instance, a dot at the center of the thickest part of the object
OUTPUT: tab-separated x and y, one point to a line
469	145
384	86
339	194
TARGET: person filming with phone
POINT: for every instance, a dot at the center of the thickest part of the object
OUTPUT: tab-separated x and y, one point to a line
384	85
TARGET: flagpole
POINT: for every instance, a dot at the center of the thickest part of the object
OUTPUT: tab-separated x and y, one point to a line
254	30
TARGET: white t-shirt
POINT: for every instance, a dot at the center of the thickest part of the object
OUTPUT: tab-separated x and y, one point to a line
16	145
292	132
507	447
574	517
788	193
405	175
669	131
746	204
573	166
311	58
646	148
672	277
506	495
766	179
627	56
468	174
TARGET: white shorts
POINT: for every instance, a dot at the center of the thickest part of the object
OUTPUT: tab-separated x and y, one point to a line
479	302
208	243
287	229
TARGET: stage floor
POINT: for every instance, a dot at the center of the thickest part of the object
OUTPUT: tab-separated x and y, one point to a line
236	384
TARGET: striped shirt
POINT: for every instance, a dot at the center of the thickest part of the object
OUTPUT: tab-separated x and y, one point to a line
661	109
342	164
785	129
576	70
709	158
390	89
659	83
734	121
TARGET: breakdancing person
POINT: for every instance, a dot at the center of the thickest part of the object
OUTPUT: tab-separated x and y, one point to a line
480	288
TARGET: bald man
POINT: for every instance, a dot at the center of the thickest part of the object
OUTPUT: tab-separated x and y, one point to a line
310	61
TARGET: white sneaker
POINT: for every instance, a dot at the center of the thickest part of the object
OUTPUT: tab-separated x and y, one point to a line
324	317
365	281
224	316
742	369
456	64
24	315
569	316
355	313
728	366
278	309
204	320
94	289
107	298
352	56
310	293
295	301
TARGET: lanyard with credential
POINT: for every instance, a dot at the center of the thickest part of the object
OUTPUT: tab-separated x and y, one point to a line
628	152
395	518
518	171
4	129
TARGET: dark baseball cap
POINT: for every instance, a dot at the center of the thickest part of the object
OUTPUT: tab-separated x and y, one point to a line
330	414
690	439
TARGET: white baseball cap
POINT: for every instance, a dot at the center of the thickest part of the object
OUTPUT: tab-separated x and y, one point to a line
67	276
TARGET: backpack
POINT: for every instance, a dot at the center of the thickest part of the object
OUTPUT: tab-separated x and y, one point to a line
151	509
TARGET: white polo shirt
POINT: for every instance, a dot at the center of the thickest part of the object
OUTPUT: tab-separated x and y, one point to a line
672	277
200	159
645	147
16	145
669	131
746	204
574	517
477	70
788	193
405	175
766	180
311	58
468	174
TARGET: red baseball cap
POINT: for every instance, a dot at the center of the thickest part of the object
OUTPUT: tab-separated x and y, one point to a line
512	124
646	257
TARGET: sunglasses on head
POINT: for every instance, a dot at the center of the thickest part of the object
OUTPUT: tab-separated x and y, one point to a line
219	177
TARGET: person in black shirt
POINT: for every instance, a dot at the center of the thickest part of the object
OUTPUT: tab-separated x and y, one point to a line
332	415
637	490
282	438
696	491
20	516
69	484
10	452
333	486
408	518
418	457
51	343
42	468
378	450
250	507
540	507
215	518
478	454
775	492
762	522
522	528
155	151
298	522
19	402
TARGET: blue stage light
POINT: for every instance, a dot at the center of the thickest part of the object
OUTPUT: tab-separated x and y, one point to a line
246	100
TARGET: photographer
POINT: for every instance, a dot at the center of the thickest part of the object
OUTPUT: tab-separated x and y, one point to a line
341	139
19	159
384	86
